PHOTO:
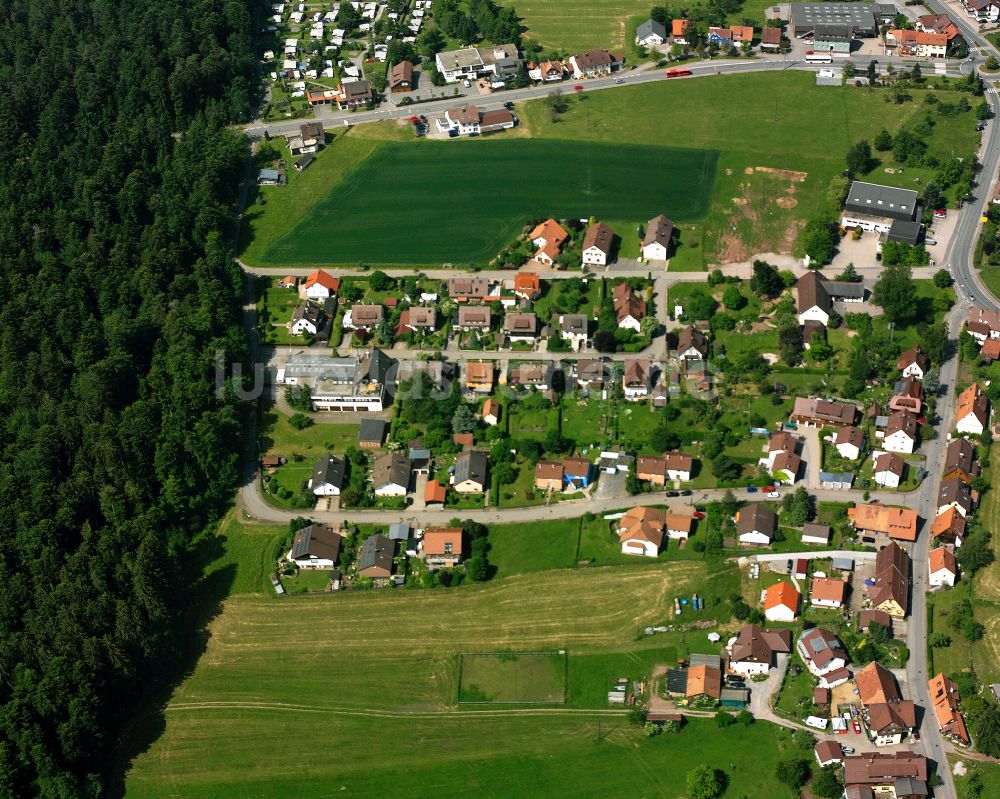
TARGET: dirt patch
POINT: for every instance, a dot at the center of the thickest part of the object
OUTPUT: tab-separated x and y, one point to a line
791	233
729	171
784	174
748	170
740	201
787	202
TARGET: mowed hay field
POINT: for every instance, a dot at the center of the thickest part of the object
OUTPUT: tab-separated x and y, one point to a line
579	25
310	696
461	201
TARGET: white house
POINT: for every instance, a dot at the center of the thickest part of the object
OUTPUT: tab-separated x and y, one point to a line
889	469
849	442
651	33
597	244
913	363
321	286
973	412
327	477
943	569
821	651
573	328
781	602
640	531
315	547
754	651
813	300
756	525
464	120
306	318
656	242
678	466
900	433
391	475
826	592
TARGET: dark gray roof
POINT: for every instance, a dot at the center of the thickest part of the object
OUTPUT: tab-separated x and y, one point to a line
304	161
328	471
377	550
905	231
471	465
859	16
832	33
399	532
884	201
696	659
317	541
651	26
381	368
840	288
373	430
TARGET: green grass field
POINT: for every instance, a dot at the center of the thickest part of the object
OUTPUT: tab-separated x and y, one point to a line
508	678
402	203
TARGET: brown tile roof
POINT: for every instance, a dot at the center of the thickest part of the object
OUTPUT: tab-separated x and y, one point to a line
756	517
366	314
548	470
463	115
401	73
902	421
911	356
821	698
521	323
479	373
642	524
878	768
704	680
464	439
829	750
437	539
876	685
991	350
892	577
679	461
983	321
770	35
869	615
942	558
527	283
828	589
812	293
960	457
824	411
417	316
757	645
472	287
850	435
636	372
598	235
895	716
474	316
659	229
691	337
973	402
890	462
899	523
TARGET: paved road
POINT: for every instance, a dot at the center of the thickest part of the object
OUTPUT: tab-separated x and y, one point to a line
699	69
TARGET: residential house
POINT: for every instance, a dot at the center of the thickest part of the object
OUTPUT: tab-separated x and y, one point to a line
640	531
401	77
656	241
703	681
827	592
960	461
527	286
496	62
468	289
548	476
588	374
597	243
573	328
849	442
391	475
813	300
315	547
953	493
363	317
678	466
889	717
782	461
945	697
629	308
307	319
463	120
650	33
547	71
949	528
474	317
322	96
680	526
821	651
770	38
576	473
818	534
355	94
548	237
531	375
891	589
442	547
594	64
900	433
371	433
521	327
327	477
288	282
491	412
943	567
874	519
756	525
435	494
982	11
983	324
471	471
416	317
919	44
781	602
914	363
889	470
872	616
813	412
828	753
268	177
615	462
754	651
375	558
990	350
679	29
636	379
973	412
321	285
902	775
692	345
939	23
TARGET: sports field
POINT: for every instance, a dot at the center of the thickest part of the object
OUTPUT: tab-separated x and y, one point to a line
438	202
507	678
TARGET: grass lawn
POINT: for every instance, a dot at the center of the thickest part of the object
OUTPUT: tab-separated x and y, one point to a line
796	694
989	773
241	556
511	678
956	657
307	580
579	25
527	547
280	438
372	217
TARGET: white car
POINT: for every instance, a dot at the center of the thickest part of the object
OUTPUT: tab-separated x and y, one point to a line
826	73
774	495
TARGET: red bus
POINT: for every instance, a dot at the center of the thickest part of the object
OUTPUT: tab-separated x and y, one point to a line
678	72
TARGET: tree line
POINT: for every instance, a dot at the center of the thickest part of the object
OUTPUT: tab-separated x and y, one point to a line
117	290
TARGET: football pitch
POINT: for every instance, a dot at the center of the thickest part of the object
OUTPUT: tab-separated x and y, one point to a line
461	202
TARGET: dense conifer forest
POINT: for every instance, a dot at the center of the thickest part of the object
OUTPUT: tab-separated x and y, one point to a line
117	181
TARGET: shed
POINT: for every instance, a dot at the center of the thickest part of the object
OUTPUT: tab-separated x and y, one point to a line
844	564
734	697
371	434
715	661
399	532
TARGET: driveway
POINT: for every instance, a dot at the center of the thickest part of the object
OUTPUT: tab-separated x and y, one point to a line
812	454
761	692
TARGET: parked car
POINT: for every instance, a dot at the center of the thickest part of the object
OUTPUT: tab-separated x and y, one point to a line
857	728
940	213
768	488
673	494
578	87
848	750
698	514
773	495
751	489
686	493
788	566
619	80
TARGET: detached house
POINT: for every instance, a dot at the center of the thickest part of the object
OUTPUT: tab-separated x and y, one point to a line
356	94
891	590
651	33
983	324
888	716
813	300
849	442
491	412
754	650
527	286
470	475
573	328
474	317
783	463
914	363
320	286
781	602
597	243
636	379
889	470
547	71
826	592
316	547
548	476
375	558
813	412
679	29
692	344
960	461
468	289
391	475
401	77
821	651
548	237
442	547
949	528
945	698
942	567
656	242
640	531
416	317
307	319
756	525
629	309
954	494
520	327
327	477
594	64
900	433
973	413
